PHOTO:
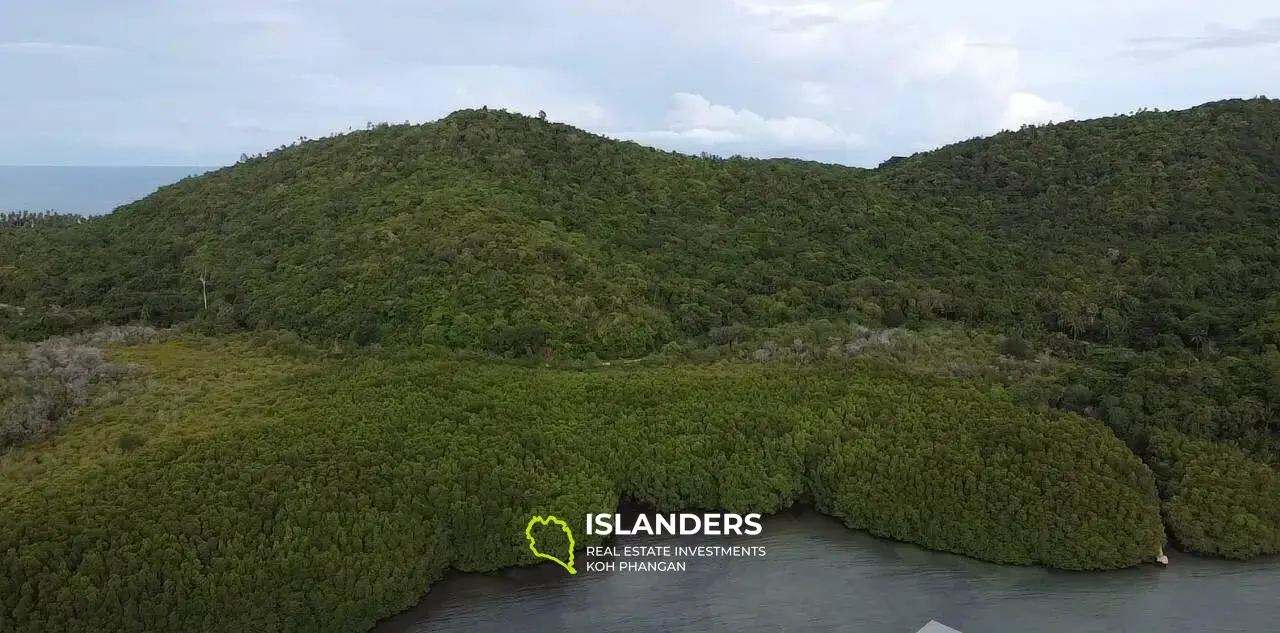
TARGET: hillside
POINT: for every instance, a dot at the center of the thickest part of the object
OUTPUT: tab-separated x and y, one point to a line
1158	224
505	233
492	231
1034	348
1152	234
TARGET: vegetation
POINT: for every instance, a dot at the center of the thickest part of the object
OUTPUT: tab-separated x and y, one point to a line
43	386
1220	501
320	495
1030	348
489	230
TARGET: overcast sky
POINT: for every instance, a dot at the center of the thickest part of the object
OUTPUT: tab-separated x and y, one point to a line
198	82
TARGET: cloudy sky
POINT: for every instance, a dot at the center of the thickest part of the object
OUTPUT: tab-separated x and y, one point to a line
198	82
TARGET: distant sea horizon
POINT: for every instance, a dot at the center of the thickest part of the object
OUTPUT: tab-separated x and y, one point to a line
85	189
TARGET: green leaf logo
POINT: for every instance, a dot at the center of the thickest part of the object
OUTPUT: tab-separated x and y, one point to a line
533	544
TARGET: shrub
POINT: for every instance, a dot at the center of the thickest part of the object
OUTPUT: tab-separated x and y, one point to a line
43	385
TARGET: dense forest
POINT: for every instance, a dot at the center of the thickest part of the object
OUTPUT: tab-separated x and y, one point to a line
1061	341
277	492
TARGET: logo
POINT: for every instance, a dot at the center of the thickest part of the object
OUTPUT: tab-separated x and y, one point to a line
533	543
706	524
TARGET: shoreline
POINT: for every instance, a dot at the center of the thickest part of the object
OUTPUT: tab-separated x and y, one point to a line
541	569
521	577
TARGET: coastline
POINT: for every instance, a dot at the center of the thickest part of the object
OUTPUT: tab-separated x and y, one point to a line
490	597
541	570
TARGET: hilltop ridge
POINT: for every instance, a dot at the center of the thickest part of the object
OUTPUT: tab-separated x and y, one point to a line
496	231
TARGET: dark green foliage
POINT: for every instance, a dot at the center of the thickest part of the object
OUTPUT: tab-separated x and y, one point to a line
893	317
900	458
494	231
497	232
343	499
130	441
1017	347
1124	229
1224	398
1218	500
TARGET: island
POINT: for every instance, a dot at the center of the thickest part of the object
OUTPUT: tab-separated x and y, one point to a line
299	389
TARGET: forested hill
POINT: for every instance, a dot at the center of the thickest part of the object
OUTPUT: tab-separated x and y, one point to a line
490	230
1125	270
1163	222
509	234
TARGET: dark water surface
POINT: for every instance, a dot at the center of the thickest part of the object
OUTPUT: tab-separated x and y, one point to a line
819	576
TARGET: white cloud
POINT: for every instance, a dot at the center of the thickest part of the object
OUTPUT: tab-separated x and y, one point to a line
695	118
1028	109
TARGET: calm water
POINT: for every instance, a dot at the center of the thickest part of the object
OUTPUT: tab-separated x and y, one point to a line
819	576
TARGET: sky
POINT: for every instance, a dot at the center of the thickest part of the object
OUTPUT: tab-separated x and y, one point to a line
199	82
